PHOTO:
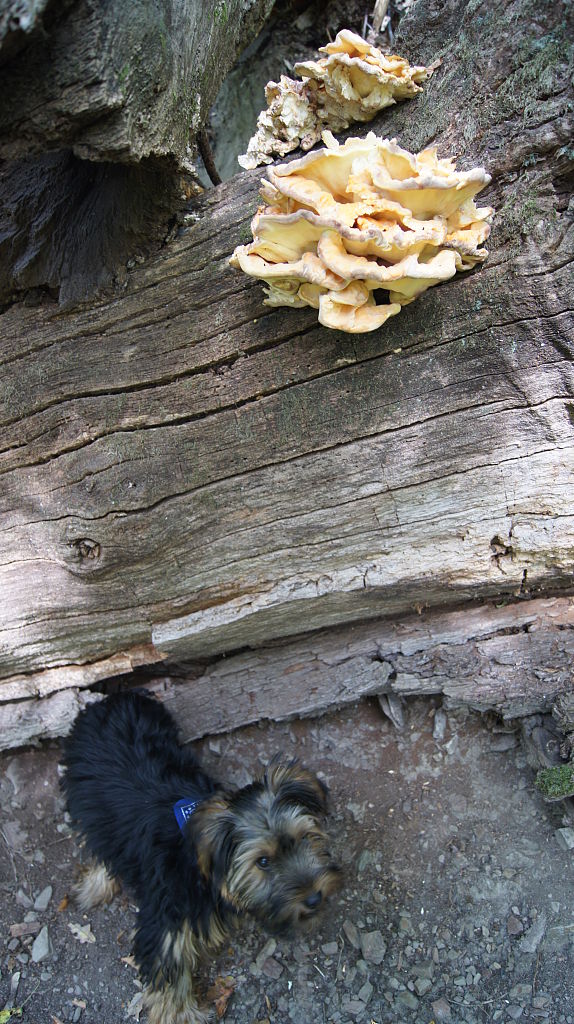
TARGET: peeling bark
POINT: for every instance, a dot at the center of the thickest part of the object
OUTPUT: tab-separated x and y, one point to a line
514	660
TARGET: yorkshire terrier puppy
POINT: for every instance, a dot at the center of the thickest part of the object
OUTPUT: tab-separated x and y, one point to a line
195	855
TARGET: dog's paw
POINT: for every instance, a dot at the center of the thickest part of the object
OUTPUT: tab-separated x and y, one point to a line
94	887
163	1008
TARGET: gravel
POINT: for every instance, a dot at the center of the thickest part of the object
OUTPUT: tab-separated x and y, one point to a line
456	906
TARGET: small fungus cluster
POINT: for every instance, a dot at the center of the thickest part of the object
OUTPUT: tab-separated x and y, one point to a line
342	223
352	83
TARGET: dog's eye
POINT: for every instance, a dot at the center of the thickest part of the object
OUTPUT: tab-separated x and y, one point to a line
263	862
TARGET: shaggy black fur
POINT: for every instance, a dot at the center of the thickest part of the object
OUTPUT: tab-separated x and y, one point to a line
260	851
124	772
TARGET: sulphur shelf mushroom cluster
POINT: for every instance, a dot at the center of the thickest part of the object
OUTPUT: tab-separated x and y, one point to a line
351	83
344	222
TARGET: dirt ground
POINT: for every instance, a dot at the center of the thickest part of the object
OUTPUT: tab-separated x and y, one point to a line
457	904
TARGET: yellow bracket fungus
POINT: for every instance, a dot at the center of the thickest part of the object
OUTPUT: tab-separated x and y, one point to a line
352	83
346	221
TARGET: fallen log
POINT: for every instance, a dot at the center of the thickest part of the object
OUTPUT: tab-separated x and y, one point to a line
514	660
187	473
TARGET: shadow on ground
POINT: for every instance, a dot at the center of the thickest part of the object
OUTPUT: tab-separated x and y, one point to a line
457	904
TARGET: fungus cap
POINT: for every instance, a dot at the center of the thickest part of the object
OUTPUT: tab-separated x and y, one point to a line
351	83
346	221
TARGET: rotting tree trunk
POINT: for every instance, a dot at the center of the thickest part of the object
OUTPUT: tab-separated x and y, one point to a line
100	106
186	473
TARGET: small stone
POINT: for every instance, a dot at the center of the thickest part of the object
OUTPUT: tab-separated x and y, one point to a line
540	1001
425	969
504	742
350	976
352	1006
14	837
408	999
352	934
565	837
531	940
422	985
452	745
373	947
514	926
521	992
357	811
439	725
330	948
42	947
272	968
459	803
364	861
365	992
23	900
514	1012
441	1010
14	983
300	955
41	902
268	950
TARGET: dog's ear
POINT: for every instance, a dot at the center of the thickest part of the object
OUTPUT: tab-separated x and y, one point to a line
211	828
290	782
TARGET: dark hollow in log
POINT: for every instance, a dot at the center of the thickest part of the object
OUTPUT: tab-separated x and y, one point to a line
100	105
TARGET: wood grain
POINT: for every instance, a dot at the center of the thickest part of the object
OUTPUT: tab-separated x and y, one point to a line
185	470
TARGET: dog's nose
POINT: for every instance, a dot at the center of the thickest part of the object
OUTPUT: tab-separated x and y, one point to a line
313	900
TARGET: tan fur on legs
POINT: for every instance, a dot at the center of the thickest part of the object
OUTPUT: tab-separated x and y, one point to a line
175	1004
94	886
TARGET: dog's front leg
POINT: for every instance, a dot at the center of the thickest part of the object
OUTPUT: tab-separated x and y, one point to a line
171	995
175	1003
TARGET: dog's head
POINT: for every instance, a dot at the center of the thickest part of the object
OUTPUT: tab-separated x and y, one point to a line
264	849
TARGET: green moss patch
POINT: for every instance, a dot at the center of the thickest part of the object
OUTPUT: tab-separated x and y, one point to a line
556	783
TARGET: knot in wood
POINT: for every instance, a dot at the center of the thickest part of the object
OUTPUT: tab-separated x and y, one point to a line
86	549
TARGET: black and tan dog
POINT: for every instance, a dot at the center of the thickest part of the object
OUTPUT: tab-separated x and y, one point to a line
194	854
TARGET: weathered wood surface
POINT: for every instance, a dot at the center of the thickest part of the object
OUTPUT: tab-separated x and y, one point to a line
34	720
515	659
100	105
119	81
186	472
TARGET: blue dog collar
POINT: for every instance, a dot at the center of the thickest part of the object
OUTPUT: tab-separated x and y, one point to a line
183	810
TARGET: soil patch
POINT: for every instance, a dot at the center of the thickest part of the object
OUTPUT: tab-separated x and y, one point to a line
457	904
